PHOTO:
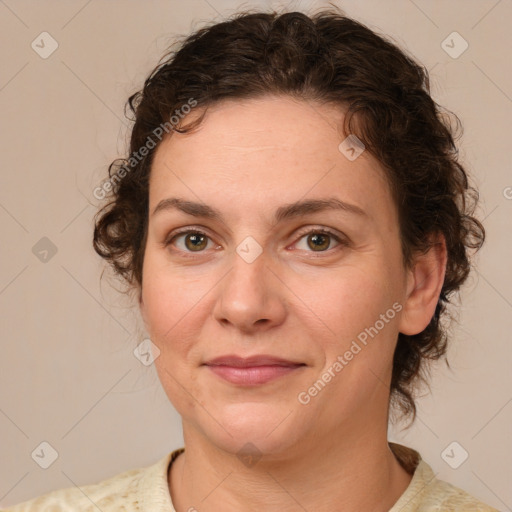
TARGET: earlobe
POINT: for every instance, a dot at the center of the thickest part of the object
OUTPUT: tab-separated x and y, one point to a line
425	282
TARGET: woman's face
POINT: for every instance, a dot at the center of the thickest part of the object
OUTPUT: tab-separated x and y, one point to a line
266	281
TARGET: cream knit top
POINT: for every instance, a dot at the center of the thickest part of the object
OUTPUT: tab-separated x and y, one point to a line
146	489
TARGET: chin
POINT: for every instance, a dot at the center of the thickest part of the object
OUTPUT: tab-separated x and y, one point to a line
262	427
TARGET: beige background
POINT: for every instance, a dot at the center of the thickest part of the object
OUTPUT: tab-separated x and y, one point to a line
68	375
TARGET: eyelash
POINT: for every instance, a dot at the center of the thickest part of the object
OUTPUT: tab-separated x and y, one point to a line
318	231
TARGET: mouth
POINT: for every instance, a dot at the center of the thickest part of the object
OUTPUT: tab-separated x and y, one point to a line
252	371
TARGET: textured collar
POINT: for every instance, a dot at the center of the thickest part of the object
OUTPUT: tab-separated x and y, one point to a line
425	492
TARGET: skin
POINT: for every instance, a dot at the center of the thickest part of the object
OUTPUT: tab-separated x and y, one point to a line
293	301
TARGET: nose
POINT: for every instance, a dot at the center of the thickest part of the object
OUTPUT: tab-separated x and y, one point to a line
251	297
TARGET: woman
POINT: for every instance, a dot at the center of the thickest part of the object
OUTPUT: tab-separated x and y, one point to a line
294	220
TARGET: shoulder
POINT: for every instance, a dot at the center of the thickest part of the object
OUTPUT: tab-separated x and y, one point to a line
441	495
426	493
107	495
126	491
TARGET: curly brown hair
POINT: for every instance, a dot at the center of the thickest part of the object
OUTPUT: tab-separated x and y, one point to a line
329	58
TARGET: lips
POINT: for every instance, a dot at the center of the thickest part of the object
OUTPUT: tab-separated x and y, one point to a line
248	362
252	371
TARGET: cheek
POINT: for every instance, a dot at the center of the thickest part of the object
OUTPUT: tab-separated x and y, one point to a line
173	312
172	305
344	303
168	290
361	310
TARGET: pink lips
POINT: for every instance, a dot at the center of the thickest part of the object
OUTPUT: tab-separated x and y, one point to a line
251	371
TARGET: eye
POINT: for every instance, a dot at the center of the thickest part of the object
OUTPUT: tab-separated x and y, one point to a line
320	240
193	240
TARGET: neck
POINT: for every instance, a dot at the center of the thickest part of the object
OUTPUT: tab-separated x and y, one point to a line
350	473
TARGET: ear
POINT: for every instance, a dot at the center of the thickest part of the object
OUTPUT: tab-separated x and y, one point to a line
142	308
424	283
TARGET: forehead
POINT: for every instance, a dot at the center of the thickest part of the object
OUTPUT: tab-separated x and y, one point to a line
255	152
267	125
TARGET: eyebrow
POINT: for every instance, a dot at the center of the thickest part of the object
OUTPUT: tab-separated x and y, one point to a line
287	211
